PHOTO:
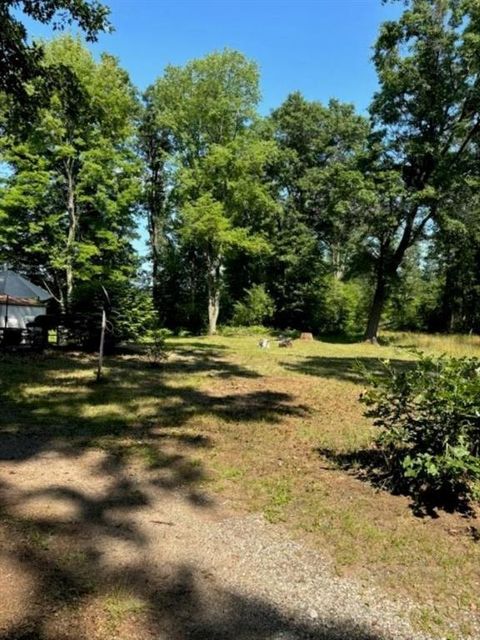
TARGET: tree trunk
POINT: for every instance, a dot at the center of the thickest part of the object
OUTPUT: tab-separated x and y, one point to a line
213	296
71	234
376	308
337	262
387	267
156	147
156	287
213	311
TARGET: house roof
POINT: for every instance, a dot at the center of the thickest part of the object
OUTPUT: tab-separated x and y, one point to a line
15	285
15	301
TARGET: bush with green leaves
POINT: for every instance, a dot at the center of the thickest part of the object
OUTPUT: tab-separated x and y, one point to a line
241	331
340	307
157	349
429	416
255	308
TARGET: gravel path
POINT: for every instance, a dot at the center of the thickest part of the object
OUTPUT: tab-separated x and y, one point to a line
206	573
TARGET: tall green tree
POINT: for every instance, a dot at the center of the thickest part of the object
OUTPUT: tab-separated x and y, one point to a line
324	195
427	110
67	206
156	146
217	162
322	177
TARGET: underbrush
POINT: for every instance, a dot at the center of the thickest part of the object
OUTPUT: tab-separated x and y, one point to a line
429	420
241	331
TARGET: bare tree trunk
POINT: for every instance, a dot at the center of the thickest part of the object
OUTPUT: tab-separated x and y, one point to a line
376	309
213	311
337	262
61	293
213	285
72	231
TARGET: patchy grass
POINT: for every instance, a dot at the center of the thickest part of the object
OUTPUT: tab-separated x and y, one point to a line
121	603
265	429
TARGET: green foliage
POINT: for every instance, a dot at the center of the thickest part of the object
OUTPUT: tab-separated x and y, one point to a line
294	272
427	110
255	308
429	416
157	349
240	331
341	307
21	60
68	202
415	295
325	193
216	164
134	313
328	210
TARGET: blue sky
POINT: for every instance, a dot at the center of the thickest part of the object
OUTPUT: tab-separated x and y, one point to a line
320	47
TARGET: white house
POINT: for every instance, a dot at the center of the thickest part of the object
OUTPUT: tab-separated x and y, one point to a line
21	301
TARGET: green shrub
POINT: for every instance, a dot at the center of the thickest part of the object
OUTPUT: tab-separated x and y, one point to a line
429	415
256	307
253	330
340	307
157	350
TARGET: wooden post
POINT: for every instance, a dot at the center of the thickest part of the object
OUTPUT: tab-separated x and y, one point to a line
102	343
6	311
5	330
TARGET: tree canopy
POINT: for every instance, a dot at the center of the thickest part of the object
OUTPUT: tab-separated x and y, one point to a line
67	206
313	217
20	58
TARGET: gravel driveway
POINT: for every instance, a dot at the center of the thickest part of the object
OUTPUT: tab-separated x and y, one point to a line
200	571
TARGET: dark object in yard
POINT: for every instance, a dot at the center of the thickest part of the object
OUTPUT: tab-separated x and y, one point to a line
285	342
474	533
83	331
306	335
12	337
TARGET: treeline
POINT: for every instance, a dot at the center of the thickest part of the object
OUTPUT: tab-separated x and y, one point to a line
314	218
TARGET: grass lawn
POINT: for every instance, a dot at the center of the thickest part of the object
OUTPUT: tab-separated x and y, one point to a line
279	431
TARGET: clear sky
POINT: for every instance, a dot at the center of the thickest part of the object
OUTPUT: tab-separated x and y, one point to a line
320	47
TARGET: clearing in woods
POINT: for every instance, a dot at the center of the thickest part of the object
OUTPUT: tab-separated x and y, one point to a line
223	495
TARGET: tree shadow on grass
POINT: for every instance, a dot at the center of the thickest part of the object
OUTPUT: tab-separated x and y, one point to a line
53	397
75	594
344	369
185	358
370	465
338	338
73	506
138	414
367	464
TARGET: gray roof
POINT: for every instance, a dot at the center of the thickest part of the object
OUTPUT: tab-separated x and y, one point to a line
13	284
